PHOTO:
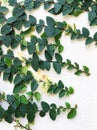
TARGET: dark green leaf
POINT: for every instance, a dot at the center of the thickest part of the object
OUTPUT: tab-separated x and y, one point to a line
3	9
57	7
47	65
85	32
67	9
49	31
5	29
6	40
91	16
34	85
50	21
18	11
62	93
57	67
2	112
34	62
11	19
42	113
18	79
95	36
33	20
2	18
89	41
29	4
79	72
53	114
31	48
48	56
8	117
12	2
58	57
45	106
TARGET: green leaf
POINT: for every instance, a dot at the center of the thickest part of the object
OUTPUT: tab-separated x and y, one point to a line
60	48
48	56
27	32
31	116
11	19
34	62
5	29
67	9
2	112
71	90
8	118
57	67
19	88
91	16
62	93
23	99
89	40
42	113
18	11
47	5
12	2
70	67
86	69
57	7
58	57
18	79
50	21
17	62
95	36
45	106
72	113
37	96
70	1
47	65
33	20
29	4
85	32
40	26
3	9
7	61
31	47
49	31
68	105
2	18
53	114
79	72
34	85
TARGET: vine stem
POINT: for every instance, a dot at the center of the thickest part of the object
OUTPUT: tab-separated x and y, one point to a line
22	126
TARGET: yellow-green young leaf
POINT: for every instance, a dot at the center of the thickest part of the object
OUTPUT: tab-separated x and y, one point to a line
23	99
68	105
7	61
37	96
72	113
71	90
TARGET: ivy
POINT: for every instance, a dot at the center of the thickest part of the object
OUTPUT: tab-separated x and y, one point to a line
26	104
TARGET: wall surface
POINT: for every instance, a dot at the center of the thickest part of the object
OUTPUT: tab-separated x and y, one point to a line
85	87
